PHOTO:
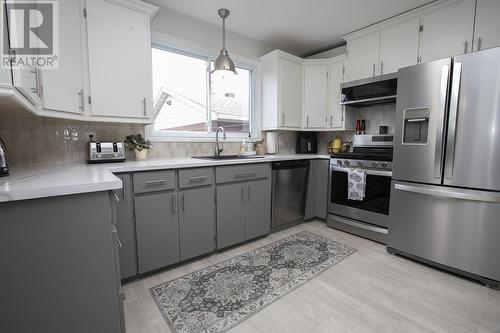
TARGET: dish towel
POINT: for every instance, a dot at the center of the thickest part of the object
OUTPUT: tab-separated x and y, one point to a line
356	180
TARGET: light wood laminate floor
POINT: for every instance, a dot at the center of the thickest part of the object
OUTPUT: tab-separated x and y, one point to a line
370	291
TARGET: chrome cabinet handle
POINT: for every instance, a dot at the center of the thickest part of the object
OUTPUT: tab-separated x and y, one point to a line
479	42
183	202
452	122
466	44
155	182
242	194
172	203
381	68
249	193
117	199
283	119
197	179
373	69
118	241
114	231
81	107
36	90
331	121
144	105
246	174
307	121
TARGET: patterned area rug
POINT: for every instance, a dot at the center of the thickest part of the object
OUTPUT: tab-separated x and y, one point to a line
218	297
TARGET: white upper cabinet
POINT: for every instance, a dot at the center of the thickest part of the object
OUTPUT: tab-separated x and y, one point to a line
281	91
290	101
336	114
447	31
399	46
315	96
119	46
487	31
363	56
26	81
63	89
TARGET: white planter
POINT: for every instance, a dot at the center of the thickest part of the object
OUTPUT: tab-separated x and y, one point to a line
141	155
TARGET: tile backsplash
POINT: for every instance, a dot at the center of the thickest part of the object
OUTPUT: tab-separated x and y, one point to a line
40	140
34	140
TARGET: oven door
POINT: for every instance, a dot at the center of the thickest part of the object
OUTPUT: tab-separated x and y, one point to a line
373	209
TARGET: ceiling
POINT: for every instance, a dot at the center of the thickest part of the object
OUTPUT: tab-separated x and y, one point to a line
298	26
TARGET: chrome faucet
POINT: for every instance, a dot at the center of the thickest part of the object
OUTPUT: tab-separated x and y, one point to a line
217	149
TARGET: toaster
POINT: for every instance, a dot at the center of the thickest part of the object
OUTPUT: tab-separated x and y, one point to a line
100	152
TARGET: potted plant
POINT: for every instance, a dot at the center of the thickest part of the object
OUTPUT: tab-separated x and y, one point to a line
139	145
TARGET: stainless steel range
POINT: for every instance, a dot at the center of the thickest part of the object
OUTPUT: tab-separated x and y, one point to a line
367	216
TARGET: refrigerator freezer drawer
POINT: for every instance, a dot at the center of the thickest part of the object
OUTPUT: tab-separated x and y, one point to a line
457	228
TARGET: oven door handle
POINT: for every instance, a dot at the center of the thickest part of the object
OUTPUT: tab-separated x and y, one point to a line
383	173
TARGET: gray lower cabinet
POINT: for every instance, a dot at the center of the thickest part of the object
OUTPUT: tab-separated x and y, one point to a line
244	206
126	227
196	222
59	272
230	214
317	189
258	209
157	230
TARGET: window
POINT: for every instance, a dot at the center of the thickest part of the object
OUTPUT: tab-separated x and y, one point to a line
189	101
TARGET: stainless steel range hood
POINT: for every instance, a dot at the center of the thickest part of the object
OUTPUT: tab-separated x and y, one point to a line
371	91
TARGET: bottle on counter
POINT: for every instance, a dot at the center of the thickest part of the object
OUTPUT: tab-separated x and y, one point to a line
363	127
358	127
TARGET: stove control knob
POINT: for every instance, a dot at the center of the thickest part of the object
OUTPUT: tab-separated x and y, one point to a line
360	163
339	162
346	163
384	165
374	164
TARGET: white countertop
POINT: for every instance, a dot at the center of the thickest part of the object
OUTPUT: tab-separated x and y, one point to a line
40	181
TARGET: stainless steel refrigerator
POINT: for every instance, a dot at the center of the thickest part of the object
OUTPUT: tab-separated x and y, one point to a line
445	194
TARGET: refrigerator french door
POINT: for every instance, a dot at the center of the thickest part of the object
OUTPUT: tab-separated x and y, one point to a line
445	194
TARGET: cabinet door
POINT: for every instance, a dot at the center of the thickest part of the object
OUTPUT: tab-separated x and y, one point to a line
487	25
311	191
363	57
157	230
230	214
24	79
290	99
126	228
336	109
399	46
315	96
322	171
196	222
63	89
258	208
119	46
447	32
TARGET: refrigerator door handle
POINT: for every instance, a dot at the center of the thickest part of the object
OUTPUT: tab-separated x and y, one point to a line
443	92
444	192
452	125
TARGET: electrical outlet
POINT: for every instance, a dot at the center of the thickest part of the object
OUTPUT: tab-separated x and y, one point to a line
87	134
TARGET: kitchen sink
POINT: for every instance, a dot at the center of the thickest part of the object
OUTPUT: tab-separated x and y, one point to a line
227	157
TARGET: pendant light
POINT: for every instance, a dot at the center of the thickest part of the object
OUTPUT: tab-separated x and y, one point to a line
223	65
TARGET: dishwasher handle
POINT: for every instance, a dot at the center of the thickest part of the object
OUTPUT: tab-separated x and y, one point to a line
290	165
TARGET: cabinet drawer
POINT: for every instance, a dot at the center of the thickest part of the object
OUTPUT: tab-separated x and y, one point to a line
195	177
236	173
154	181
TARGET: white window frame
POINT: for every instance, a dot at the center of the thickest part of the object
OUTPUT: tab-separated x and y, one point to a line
181	46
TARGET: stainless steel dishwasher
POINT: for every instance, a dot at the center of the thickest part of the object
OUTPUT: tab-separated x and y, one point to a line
289	191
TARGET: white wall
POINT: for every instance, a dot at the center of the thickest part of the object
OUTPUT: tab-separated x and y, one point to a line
329	53
207	35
